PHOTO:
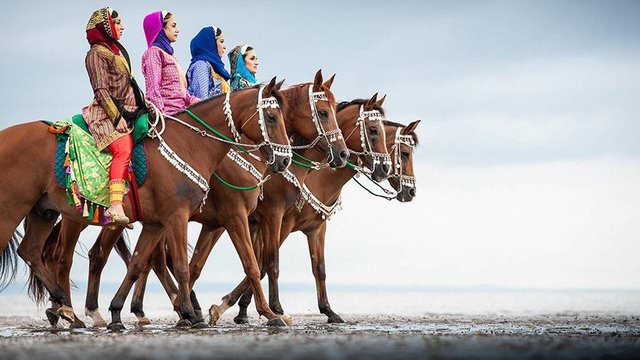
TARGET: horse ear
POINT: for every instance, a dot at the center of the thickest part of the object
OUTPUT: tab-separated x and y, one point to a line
329	82
371	101
379	102
270	87
317	81
279	84
411	128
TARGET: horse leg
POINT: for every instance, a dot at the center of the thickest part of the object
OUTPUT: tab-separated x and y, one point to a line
147	242
159	266
67	239
38	226
241	238
243	304
176	238
207	239
315	239
271	258
98	256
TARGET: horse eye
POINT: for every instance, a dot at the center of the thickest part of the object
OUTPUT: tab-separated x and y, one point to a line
373	131
405	155
323	113
271	118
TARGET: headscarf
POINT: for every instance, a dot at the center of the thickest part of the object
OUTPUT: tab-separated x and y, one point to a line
204	47
238	68
153	31
102	30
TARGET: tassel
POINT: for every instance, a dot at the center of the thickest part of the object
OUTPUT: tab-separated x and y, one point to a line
96	215
104	217
90	212
85	211
69	198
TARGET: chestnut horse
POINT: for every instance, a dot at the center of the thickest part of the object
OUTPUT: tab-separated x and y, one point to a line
306	101
312	220
168	198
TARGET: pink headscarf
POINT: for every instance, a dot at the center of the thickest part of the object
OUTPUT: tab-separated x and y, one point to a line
152	25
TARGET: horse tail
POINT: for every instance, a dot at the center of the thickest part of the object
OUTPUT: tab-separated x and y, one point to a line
123	247
9	260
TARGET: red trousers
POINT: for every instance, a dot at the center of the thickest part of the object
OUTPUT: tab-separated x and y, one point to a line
121	150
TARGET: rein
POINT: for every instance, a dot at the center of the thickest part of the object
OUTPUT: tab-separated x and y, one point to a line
183	167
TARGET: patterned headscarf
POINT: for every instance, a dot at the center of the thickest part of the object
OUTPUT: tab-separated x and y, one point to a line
238	68
153	31
102	30
204	47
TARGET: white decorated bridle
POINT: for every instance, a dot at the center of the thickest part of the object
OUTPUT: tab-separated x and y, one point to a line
404	180
376	157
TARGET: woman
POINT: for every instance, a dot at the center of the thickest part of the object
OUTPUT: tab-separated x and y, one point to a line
109	72
244	65
206	75
165	83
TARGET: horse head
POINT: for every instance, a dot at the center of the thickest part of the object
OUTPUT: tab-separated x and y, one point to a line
401	142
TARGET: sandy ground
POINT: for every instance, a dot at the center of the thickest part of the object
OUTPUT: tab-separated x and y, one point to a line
363	336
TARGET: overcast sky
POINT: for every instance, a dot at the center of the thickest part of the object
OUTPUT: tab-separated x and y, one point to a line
529	158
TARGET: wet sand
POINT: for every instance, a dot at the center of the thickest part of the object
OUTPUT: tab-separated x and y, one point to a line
568	335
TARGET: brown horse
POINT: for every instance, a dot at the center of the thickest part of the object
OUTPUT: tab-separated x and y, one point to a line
312	220
167	200
230	208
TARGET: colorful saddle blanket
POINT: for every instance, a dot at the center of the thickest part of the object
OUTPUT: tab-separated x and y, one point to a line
84	171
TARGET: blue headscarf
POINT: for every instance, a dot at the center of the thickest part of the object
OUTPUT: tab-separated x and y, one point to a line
204	47
238	68
162	41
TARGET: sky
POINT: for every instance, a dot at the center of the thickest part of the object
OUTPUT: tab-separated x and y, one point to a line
529	160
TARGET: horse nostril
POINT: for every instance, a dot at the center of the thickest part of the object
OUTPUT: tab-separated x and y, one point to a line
386	168
412	192
285	162
344	155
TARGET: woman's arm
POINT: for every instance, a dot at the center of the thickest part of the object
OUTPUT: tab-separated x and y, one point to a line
97	63
199	82
152	71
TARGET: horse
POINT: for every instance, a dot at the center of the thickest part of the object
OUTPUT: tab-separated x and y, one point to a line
173	191
305	101
312	218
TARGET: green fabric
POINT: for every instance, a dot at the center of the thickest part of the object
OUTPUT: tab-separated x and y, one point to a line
140	128
90	166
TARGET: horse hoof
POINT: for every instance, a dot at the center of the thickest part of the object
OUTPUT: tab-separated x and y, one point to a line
241	320
66	312
144	321
116	326
200	325
280	321
214	315
52	316
335	319
184	323
78	324
100	324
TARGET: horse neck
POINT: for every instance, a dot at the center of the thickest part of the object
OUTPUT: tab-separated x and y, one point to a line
201	152
327	184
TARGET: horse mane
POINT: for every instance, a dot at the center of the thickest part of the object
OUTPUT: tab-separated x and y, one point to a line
343	104
294	98
392	123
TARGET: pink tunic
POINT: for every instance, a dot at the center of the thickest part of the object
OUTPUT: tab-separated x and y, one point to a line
164	81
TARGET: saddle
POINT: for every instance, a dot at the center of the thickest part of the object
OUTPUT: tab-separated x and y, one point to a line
83	171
